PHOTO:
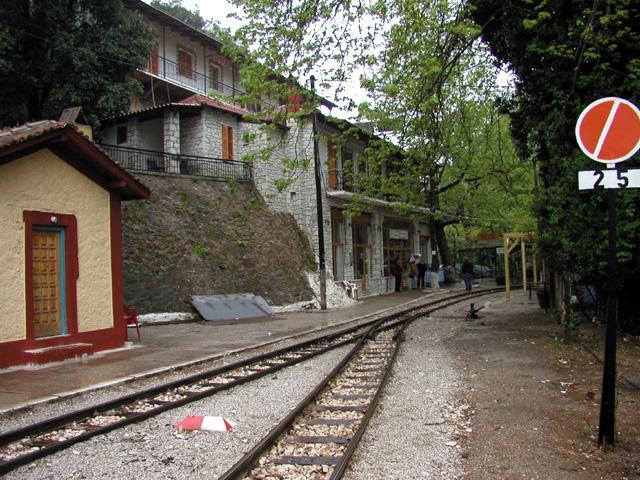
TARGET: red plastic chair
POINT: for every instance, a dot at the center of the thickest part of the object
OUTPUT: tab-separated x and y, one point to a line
131	317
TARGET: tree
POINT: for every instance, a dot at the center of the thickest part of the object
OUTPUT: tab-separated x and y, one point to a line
56	54
193	18
432	89
565	55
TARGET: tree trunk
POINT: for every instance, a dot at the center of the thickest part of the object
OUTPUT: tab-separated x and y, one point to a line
444	253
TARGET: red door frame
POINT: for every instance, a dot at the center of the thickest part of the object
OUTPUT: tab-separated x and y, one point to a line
70	225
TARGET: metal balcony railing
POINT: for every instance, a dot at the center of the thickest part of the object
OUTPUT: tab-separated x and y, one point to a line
342	180
139	160
196	81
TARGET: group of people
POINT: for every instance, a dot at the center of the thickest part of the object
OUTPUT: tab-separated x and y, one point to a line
417	271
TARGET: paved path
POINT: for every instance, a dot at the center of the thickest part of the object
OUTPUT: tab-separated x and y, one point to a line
166	347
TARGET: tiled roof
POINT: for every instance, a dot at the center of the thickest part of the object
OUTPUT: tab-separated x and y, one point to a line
195	100
11	136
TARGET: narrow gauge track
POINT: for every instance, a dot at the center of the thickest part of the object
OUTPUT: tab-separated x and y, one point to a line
25	445
316	440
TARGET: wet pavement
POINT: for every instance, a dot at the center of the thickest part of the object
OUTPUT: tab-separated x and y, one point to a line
166	347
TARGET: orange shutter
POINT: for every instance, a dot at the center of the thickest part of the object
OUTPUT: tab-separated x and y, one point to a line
184	64
154	59
227	143
331	163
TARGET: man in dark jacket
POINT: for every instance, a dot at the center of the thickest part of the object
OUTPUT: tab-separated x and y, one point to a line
396	271
422	269
467	274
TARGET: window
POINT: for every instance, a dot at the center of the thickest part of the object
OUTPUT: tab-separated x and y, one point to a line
214	80
155	57
331	164
185	63
121	134
361	246
227	143
348	170
337	243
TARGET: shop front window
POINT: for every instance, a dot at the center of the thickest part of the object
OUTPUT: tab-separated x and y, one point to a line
361	250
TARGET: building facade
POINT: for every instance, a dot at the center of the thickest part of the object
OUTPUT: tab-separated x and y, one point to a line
61	287
188	122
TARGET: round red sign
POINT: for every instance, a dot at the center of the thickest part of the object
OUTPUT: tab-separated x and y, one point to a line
608	130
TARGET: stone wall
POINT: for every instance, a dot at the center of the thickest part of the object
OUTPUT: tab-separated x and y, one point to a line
214	120
192	135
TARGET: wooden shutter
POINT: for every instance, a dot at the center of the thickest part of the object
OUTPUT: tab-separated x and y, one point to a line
227	143
155	59
185	64
331	163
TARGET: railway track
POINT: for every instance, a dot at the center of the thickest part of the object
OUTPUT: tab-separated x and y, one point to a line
317	439
25	445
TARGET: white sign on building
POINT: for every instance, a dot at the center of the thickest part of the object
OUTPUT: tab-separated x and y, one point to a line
395	234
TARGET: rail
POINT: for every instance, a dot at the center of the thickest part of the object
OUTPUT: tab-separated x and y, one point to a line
139	160
195	81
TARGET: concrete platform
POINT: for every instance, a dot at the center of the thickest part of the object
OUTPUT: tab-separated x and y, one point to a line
166	347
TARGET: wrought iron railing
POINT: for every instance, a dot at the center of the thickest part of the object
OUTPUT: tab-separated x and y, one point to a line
343	180
139	160
196	81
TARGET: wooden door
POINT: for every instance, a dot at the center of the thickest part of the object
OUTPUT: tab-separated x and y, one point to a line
47	299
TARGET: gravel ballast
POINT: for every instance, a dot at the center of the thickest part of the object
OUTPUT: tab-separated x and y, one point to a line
415	431
154	449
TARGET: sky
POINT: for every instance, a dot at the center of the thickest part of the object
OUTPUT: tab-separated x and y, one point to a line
216	9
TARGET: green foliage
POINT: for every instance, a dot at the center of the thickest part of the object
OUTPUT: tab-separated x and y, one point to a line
565	55
233	185
432	88
193	18
57	54
200	250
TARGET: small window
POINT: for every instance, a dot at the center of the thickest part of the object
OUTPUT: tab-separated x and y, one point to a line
121	135
185	63
227	143
331	163
215	77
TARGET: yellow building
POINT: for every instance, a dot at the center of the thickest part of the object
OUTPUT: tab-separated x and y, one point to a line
60	244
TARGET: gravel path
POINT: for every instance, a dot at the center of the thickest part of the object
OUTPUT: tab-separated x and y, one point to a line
414	432
156	450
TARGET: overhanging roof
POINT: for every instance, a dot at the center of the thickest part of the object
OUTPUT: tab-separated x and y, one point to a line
350	196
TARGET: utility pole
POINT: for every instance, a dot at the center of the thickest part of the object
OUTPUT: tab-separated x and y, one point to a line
316	165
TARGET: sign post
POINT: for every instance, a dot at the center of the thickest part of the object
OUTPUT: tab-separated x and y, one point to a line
608	131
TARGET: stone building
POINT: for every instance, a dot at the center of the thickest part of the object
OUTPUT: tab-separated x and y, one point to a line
188	122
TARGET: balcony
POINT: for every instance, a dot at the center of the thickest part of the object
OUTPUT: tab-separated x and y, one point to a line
194	81
343	180
149	161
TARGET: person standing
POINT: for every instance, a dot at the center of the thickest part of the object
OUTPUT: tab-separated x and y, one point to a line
413	272
396	271
467	274
422	270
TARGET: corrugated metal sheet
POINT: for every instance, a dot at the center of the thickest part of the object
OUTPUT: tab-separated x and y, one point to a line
231	307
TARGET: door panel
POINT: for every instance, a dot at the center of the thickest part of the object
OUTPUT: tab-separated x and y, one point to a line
47	300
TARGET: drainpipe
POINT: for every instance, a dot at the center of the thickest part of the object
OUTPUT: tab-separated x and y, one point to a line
316	165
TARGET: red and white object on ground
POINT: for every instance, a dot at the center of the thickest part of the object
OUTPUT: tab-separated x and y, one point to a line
212	424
